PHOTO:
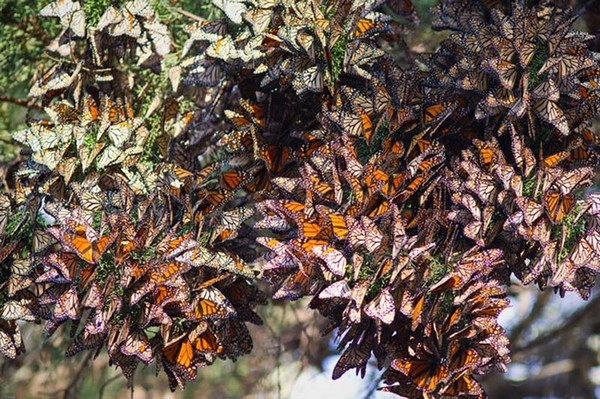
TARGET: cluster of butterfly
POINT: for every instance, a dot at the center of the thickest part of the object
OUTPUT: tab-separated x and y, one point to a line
530	67
400	201
131	253
402	183
528	82
351	232
298	45
121	268
531	214
133	28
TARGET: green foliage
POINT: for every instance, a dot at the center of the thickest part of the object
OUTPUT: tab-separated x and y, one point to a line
95	8
338	52
15	221
539	58
529	186
23	36
573	228
170	14
437	270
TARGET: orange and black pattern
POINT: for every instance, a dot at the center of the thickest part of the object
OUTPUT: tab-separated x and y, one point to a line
286	144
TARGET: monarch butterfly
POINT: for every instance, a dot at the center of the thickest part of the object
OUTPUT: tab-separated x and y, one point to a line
67	306
310	229
426	373
506	72
76	238
70	14
382	307
167	272
230	223
137	344
210	200
571	179
479	262
355	356
554	159
523	155
550	112
338	224
461	385
17	310
127	24
532	211
334	260
488	152
339	289
557	205
593	203
547	89
233	9
311	79
84	341
20	276
365	234
367	27
483	186
259	19
461	358
587	248
207	342
93	298
57	78
276	156
437	113
11	343
299	283
159	36
205	72
127	364
210	303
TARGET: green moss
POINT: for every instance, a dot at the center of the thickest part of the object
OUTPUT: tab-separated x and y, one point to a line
437	269
529	186
89	139
338	53
103	269
574	230
539	58
97	219
152	331
14	221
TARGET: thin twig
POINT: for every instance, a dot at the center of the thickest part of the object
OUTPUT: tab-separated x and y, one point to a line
78	375
187	14
105	384
19	101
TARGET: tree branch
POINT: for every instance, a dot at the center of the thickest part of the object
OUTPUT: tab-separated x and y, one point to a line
571	323
187	14
536	311
19	101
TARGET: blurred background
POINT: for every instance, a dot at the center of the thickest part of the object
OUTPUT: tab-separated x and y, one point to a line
555	343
